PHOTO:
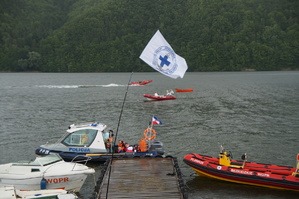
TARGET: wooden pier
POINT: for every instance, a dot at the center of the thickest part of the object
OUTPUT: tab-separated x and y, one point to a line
141	178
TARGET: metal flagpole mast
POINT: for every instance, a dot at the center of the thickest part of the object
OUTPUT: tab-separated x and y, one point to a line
151	127
116	133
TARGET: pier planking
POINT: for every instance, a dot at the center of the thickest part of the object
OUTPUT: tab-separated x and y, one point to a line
141	178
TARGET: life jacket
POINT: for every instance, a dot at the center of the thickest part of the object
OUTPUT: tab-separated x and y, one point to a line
122	145
143	145
109	142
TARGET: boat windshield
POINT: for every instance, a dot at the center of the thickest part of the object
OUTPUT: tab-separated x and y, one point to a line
83	137
41	160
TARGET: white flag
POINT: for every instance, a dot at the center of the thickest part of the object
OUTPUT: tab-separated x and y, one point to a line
160	56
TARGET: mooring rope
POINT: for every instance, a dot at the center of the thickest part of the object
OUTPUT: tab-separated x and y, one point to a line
114	142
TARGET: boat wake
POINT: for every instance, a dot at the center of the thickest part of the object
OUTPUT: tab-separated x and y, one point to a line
78	86
58	86
113	85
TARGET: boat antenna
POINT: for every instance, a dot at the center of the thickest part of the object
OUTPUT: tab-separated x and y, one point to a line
116	133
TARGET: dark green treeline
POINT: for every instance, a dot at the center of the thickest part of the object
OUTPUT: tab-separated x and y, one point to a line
109	35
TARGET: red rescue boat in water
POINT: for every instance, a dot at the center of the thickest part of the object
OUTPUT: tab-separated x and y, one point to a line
169	96
223	168
159	97
140	83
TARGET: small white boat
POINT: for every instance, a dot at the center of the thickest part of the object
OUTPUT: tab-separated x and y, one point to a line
9	192
45	172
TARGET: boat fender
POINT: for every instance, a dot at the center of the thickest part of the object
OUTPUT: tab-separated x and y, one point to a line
43	184
152	133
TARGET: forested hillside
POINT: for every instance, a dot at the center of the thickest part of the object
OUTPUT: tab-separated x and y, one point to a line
109	35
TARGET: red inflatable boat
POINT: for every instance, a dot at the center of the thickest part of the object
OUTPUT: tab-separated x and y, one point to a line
223	168
140	83
159	97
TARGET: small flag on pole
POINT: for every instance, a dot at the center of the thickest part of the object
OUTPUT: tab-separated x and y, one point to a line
155	121
160	56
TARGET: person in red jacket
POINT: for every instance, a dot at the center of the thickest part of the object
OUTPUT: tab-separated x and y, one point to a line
122	145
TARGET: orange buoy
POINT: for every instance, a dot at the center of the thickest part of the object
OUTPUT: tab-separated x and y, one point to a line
152	133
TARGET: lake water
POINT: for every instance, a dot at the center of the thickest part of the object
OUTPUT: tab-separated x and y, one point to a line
252	112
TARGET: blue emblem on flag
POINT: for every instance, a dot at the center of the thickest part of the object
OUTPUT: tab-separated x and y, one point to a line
159	55
165	60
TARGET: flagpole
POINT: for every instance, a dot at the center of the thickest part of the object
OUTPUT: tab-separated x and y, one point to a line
152	121
116	133
151	127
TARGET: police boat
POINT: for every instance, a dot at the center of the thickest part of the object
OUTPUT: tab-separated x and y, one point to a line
96	142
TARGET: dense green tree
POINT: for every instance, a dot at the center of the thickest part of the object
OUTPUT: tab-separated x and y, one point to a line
32	63
109	35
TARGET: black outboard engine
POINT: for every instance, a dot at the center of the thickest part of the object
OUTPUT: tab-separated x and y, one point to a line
157	146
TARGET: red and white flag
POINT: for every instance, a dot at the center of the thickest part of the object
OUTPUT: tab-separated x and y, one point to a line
155	121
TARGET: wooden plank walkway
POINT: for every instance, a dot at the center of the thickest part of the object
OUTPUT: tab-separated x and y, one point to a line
141	178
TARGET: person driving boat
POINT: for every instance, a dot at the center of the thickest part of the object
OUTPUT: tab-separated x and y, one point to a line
84	139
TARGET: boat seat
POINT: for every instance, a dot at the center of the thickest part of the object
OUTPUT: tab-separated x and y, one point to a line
236	164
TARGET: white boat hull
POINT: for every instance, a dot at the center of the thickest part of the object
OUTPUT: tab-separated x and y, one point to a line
58	175
69	183
10	192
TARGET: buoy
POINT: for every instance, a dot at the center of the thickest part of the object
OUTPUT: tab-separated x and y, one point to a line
43	184
152	133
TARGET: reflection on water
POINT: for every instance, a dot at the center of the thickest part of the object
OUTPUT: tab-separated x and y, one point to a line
205	187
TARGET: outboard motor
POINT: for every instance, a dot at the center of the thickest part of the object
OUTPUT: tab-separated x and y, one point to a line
157	146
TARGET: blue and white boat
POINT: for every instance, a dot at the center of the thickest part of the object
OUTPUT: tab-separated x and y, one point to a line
90	140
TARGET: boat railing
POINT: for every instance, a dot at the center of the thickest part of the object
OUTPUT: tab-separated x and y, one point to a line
82	158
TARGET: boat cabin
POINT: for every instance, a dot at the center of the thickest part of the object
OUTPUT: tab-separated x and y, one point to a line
80	138
91	135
